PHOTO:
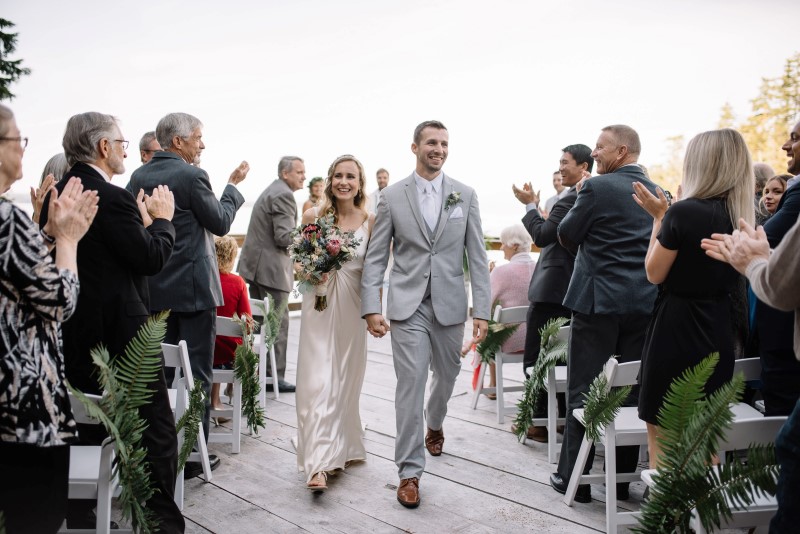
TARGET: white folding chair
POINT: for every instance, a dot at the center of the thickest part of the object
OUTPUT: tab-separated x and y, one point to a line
261	348
226	327
90	471
556	383
513	315
743	433
626	429
177	357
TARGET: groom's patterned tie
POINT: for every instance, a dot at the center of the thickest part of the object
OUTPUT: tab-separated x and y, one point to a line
429	207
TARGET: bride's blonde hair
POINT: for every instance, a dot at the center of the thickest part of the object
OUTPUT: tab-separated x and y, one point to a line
328	204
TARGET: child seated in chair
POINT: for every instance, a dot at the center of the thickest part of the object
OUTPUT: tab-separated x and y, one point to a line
234	293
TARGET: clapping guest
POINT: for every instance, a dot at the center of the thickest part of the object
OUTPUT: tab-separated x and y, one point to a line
56	167
234	293
316	189
775	279
510	284
39	292
696	292
130	238
54	170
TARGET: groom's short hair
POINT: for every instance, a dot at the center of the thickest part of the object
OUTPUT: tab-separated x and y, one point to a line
427	124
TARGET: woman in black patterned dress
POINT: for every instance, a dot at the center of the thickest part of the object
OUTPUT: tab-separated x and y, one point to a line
37	292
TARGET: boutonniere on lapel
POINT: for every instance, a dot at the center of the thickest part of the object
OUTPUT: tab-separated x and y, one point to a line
452	199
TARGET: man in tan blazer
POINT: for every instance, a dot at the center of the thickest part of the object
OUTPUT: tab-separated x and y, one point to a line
264	262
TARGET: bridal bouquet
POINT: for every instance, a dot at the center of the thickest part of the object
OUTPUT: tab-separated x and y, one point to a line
317	249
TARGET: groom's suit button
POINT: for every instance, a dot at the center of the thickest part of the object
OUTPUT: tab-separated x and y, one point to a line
425	275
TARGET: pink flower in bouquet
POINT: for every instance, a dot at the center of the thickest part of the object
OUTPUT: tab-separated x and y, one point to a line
333	247
311	231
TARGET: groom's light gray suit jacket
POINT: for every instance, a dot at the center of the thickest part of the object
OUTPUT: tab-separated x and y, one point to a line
422	257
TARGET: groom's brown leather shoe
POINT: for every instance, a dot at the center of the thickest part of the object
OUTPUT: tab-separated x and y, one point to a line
408	492
434	441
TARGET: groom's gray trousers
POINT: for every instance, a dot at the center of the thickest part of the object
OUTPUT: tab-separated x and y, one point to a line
418	343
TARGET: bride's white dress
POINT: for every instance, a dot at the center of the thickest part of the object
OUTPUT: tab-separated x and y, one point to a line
331	361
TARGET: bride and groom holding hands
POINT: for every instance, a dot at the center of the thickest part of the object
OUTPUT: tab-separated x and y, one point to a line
429	221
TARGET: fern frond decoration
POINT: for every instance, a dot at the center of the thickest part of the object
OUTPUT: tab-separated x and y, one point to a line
245	369
272	320
496	335
602	404
693	426
552	352
190	421
125	383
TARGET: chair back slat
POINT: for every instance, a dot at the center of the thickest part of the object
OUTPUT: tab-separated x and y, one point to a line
177	356
626	374
751	367
563	334
79	410
755	431
512	315
227	327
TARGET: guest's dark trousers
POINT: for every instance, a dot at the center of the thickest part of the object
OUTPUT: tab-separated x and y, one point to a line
260	292
780	370
593	339
198	329
539	313
33	487
787	450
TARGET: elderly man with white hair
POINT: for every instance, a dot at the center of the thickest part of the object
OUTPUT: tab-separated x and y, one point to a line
189	284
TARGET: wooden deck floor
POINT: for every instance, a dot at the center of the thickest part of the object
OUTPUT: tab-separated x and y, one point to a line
485	481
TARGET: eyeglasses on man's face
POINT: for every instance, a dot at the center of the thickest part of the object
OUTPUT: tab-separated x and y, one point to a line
23	141
124	143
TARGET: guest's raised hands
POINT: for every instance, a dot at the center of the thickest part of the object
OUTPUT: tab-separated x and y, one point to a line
239	173
39	193
656	206
146	219
526	195
739	249
71	213
160	204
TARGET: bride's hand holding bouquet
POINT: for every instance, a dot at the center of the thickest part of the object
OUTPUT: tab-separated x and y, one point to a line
317	249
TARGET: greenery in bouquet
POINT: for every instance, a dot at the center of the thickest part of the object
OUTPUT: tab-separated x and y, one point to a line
317	249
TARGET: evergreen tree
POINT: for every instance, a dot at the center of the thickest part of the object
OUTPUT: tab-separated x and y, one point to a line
10	70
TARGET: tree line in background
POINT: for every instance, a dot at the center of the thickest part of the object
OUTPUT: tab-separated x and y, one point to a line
765	130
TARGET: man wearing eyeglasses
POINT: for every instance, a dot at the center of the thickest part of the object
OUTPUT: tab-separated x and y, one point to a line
148	145
129	239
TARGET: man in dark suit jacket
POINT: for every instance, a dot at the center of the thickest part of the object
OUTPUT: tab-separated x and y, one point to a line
554	267
264	263
114	258
189	284
609	294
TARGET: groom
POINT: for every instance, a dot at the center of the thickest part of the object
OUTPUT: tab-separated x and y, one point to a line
431	220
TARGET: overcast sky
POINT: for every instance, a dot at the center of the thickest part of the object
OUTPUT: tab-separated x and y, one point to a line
514	81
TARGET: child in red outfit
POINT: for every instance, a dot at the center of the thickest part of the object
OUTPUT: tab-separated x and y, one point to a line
234	294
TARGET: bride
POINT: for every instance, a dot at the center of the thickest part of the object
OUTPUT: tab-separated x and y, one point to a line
332	356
